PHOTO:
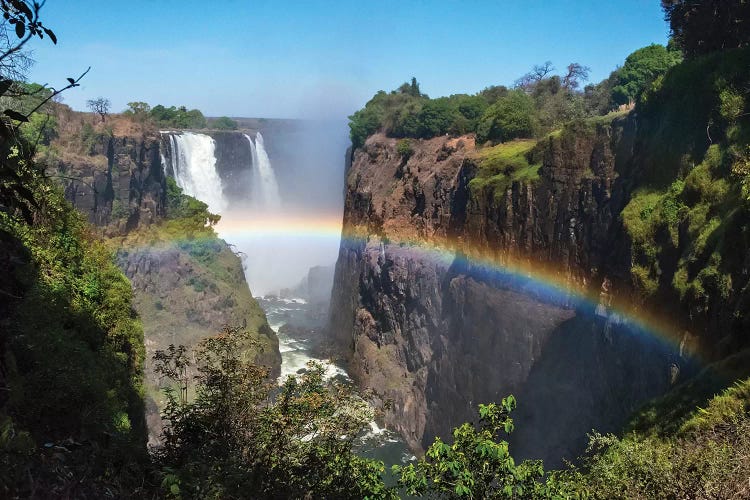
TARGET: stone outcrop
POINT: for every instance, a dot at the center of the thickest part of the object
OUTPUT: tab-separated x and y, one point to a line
119	185
183	290
436	334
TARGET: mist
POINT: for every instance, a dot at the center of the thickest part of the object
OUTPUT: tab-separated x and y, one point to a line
279	245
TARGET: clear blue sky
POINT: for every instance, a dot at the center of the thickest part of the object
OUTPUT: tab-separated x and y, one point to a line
322	58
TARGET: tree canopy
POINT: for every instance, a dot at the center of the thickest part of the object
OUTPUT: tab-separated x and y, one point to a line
641	68
177	117
224	123
540	102
702	26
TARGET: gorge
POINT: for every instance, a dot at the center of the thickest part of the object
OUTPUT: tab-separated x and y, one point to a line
539	289
446	295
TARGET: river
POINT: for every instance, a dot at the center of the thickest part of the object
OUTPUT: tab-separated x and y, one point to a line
297	324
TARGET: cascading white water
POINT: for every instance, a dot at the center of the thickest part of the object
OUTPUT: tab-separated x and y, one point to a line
194	167
273	259
265	189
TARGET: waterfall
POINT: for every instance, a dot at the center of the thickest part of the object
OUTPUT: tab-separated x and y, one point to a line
194	167
265	189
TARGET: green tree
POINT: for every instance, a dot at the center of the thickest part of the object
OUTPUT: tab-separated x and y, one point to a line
597	97
511	117
365	122
640	70
240	434
436	117
703	26
180	118
493	93
138	110
477	464
162	114
225	123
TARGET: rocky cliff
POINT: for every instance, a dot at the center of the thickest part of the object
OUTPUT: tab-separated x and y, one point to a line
118	183
437	332
187	282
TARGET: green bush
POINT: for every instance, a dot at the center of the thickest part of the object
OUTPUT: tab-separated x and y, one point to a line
511	117
404	148
175	117
704	458
225	123
640	70
72	353
241	433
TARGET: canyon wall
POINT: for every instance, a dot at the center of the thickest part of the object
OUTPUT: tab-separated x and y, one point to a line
185	288
118	183
437	333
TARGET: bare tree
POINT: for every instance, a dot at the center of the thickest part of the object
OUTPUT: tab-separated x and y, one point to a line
538	73
577	73
17	64
100	105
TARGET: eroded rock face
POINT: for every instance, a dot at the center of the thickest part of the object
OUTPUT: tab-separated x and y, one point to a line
437	334
185	290
120	185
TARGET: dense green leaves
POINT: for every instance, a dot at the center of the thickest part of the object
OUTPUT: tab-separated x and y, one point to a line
477	464
539	104
511	117
224	123
703	26
641	68
72	351
241	434
180	118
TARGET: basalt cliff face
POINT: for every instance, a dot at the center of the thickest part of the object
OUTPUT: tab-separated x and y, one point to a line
118	184
436	333
184	288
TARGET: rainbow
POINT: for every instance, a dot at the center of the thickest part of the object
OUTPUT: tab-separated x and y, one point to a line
548	282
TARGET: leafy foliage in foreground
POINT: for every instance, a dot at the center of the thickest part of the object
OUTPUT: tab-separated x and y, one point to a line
242	434
705	457
477	464
71	356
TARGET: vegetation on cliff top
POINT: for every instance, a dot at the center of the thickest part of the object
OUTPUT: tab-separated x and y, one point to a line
538	103
689	219
71	349
501	165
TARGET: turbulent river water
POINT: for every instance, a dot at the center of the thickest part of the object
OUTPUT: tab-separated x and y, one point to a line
297	323
271	252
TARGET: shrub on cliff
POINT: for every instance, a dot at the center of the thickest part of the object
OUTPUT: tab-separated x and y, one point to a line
72	357
224	123
191	213
511	117
239	437
700	454
71	349
404	148
688	221
641	68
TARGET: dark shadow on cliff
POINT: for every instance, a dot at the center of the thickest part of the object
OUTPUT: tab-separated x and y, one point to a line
590	375
571	369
